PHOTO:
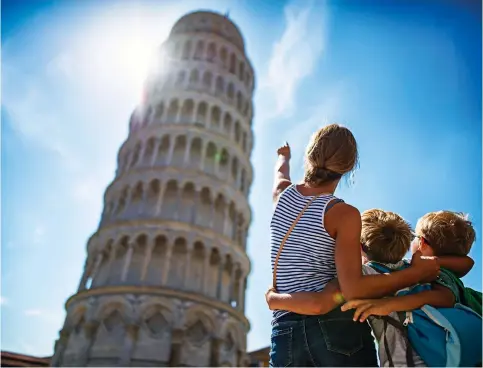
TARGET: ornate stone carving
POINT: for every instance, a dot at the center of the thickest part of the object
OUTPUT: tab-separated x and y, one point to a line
157	324
113	320
197	333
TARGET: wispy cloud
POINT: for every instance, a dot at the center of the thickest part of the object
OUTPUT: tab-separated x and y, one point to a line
32	312
46	315
324	113
295	54
3	300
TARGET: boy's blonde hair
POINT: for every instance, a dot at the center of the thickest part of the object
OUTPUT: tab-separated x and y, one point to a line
447	232
386	237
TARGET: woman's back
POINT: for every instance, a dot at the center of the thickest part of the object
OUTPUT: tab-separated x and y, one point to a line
307	260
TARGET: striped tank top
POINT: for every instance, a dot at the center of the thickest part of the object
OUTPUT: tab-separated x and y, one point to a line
307	260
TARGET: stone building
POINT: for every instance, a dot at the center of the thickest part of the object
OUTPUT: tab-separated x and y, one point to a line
166	271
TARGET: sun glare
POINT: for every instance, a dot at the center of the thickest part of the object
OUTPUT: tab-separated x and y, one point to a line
123	49
137	57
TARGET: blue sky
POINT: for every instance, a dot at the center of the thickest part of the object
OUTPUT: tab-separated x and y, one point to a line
405	78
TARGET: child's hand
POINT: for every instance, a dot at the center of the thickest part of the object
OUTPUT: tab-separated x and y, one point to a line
428	267
368	307
284	151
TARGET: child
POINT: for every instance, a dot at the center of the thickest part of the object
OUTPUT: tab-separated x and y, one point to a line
385	238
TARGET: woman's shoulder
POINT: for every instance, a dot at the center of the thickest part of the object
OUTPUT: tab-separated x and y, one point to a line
280	188
344	213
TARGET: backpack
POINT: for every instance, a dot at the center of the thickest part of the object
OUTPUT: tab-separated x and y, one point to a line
469	297
442	337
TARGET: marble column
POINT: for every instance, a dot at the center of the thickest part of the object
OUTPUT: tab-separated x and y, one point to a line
234	226
95	272
187	152
112	257
189	254
219	281
226	215
142	201
194	206
176	347
157	143
90	331
203	156
231	287
129	343
167	261
127	262
217	161
179	205
241	293
147	260
244	288
141	153
206	271
159	202
87	269
128	200
216	344
172	143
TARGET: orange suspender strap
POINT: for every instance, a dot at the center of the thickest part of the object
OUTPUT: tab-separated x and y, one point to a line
284	240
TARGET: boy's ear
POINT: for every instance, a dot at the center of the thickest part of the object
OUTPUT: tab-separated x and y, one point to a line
423	245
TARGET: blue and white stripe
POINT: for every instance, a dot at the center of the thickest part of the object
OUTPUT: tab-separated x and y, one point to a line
307	260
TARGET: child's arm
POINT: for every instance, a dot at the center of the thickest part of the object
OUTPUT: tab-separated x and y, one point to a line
348	261
439	296
459	265
282	171
307	303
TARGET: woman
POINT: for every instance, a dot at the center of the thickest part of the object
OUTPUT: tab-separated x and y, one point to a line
320	238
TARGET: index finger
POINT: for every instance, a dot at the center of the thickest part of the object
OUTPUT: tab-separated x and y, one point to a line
353	304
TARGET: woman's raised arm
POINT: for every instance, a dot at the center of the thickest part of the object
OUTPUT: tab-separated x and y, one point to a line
282	171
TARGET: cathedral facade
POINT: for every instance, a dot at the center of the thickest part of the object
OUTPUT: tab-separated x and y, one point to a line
166	272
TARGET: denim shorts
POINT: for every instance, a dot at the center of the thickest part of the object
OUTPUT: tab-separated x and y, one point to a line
329	340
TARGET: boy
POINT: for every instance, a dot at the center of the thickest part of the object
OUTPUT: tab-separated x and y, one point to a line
386	238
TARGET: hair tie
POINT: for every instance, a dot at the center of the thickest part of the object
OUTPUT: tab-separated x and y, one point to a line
323	173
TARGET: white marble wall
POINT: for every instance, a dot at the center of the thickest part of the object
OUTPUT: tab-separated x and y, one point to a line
140	330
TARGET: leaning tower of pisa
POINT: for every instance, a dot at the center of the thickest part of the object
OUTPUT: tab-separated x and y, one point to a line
166	271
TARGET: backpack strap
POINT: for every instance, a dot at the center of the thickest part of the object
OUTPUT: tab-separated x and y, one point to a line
404	333
284	240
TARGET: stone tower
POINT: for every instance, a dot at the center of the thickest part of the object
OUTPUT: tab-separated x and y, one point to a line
166	271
